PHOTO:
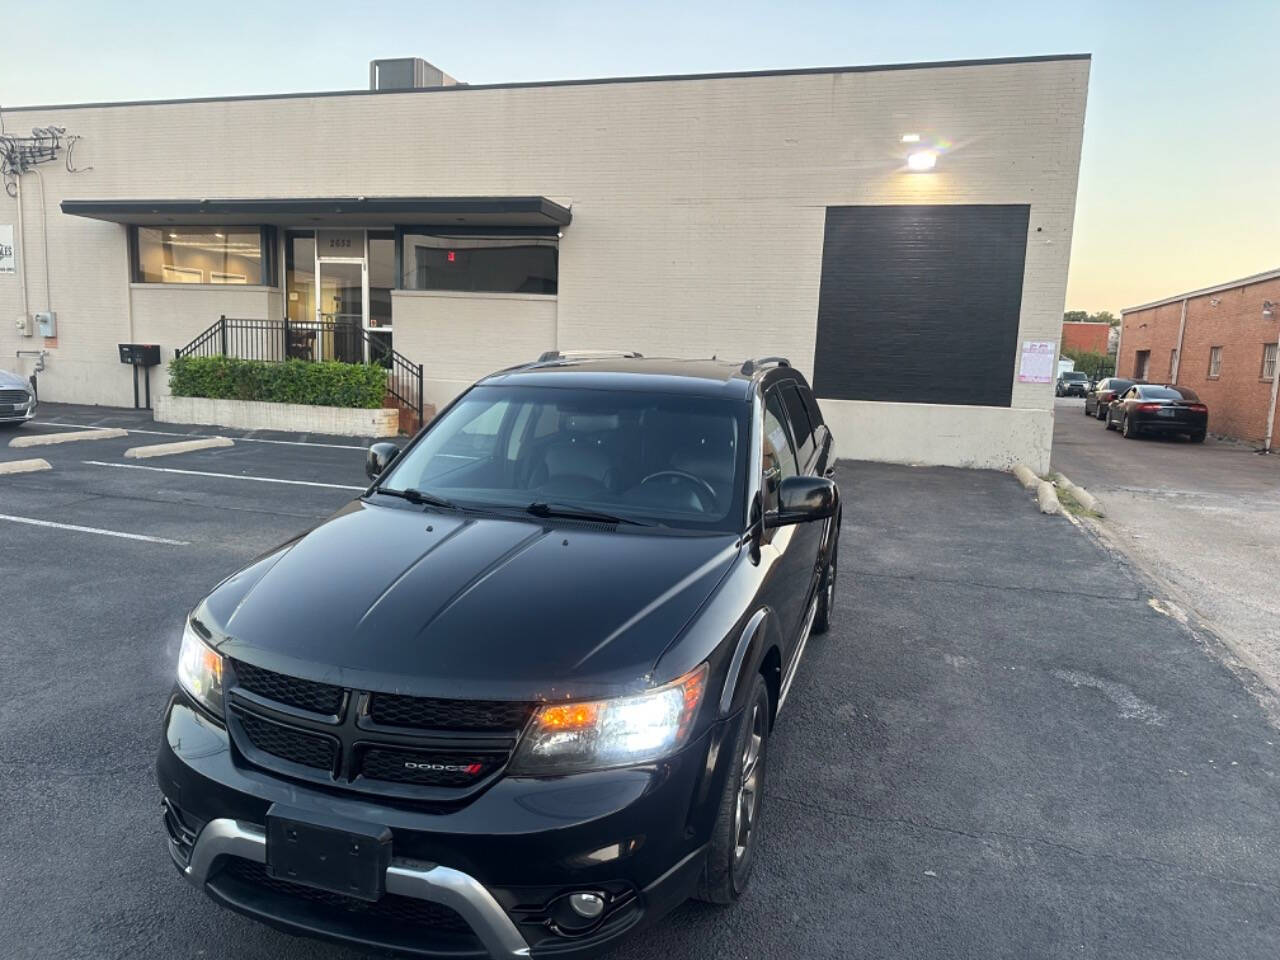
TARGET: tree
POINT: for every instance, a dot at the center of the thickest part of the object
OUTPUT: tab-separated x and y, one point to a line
1075	316
1096	365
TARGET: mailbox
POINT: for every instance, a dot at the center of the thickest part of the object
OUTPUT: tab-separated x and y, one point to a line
140	354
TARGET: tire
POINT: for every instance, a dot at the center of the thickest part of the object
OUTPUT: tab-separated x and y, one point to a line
728	866
1110	423
1198	437
827	589
1127	429
1086	407
1102	414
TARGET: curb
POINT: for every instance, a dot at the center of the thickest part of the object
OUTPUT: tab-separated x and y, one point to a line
1083	496
182	446
47	439
23	466
1048	498
1025	476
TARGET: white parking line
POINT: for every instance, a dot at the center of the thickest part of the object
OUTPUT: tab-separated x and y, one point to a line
32	521
221	476
171	433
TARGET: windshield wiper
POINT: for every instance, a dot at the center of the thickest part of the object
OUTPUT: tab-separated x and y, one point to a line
542	509
419	496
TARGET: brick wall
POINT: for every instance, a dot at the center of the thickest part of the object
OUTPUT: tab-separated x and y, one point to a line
1090	337
1238	398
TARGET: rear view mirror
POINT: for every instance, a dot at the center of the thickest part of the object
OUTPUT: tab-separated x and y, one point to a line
801	499
379	458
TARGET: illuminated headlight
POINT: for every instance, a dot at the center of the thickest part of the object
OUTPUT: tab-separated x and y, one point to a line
595	734
200	671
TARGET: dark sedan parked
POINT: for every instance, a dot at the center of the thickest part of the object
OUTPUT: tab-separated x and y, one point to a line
1099	398
1150	408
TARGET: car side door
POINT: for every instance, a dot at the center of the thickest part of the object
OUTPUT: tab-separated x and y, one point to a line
781	548
811	450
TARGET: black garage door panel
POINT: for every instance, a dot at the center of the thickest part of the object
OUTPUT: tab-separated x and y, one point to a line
920	304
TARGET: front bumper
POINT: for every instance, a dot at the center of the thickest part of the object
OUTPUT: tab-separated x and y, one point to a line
502	863
18	416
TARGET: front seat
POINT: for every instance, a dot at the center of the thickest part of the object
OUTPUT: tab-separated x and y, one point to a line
574	468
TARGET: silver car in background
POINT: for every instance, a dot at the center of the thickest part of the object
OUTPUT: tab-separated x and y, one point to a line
17	398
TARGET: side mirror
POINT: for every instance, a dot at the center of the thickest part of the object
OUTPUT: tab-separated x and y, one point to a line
801	499
379	458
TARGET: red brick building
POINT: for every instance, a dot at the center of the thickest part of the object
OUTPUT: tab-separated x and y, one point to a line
1090	337
1222	343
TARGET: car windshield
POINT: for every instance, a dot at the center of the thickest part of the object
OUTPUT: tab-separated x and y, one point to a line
666	459
1167	393
1074	375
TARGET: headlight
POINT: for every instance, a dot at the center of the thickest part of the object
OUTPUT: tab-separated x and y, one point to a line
594	734
200	671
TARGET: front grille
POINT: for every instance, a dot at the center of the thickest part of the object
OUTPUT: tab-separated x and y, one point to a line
304	694
388	763
426	713
14	396
289	743
391	908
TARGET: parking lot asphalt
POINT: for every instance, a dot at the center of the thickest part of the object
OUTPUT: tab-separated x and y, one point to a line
1000	749
1203	518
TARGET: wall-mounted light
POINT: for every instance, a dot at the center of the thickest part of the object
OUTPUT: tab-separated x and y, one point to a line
911	138
1268	309
1214	301
922	161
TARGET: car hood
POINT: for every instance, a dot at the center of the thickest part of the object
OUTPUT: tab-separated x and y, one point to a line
407	601
10	381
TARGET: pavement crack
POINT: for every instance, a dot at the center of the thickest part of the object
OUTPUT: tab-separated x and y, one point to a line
990	836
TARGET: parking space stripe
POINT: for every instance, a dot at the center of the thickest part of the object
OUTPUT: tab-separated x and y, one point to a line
172	433
222	476
45	439
34	522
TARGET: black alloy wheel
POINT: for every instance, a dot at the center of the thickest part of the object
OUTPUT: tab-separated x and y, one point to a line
735	835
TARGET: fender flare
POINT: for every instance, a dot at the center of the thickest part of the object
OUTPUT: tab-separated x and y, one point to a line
747	654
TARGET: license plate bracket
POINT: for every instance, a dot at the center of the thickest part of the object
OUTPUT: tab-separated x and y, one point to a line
327	852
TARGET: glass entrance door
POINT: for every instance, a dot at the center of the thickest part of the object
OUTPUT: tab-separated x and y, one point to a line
342	307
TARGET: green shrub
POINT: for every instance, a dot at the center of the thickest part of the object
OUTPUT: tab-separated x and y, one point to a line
326	384
1096	365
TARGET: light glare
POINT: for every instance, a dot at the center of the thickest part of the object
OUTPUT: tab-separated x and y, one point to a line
922	160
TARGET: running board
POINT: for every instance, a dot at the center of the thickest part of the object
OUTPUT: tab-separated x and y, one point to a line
795	661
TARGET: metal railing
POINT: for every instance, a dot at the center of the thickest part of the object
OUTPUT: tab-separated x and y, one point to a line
340	338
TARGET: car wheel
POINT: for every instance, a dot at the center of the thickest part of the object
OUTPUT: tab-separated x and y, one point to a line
827	590
1102	413
1127	429
1198	437
1086	407
735	835
1110	423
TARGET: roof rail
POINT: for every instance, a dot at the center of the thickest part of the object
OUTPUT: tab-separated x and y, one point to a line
749	366
590	355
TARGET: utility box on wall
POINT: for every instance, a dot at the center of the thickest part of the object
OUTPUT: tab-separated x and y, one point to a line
47	323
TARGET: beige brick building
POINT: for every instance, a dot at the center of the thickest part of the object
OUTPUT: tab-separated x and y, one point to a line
478	226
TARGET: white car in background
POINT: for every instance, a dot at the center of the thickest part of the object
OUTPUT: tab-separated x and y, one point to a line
17	398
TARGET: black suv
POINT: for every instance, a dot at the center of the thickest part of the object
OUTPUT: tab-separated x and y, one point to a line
518	696
1071	383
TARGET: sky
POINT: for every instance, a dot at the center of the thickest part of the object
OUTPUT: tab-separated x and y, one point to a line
1180	174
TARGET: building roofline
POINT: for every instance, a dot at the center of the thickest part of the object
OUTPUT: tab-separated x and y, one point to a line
656	78
1204	291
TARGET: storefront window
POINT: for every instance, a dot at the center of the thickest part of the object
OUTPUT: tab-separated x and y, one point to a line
480	264
231	255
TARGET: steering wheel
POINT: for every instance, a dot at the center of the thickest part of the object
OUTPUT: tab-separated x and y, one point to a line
700	486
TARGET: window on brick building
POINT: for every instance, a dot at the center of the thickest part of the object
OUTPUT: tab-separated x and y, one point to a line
1141	364
1268	361
1215	362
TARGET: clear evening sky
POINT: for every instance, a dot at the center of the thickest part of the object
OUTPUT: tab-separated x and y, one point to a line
1180	180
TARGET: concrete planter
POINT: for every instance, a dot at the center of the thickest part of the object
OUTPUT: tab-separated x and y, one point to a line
293	417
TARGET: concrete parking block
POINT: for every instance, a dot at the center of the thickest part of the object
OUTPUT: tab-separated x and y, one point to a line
47	439
182	446
23	466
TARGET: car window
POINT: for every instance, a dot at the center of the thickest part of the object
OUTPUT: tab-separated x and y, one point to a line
798	417
1167	393
668	459
811	405
778	451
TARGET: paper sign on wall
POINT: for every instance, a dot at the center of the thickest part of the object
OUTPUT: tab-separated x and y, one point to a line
1037	361
8	260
